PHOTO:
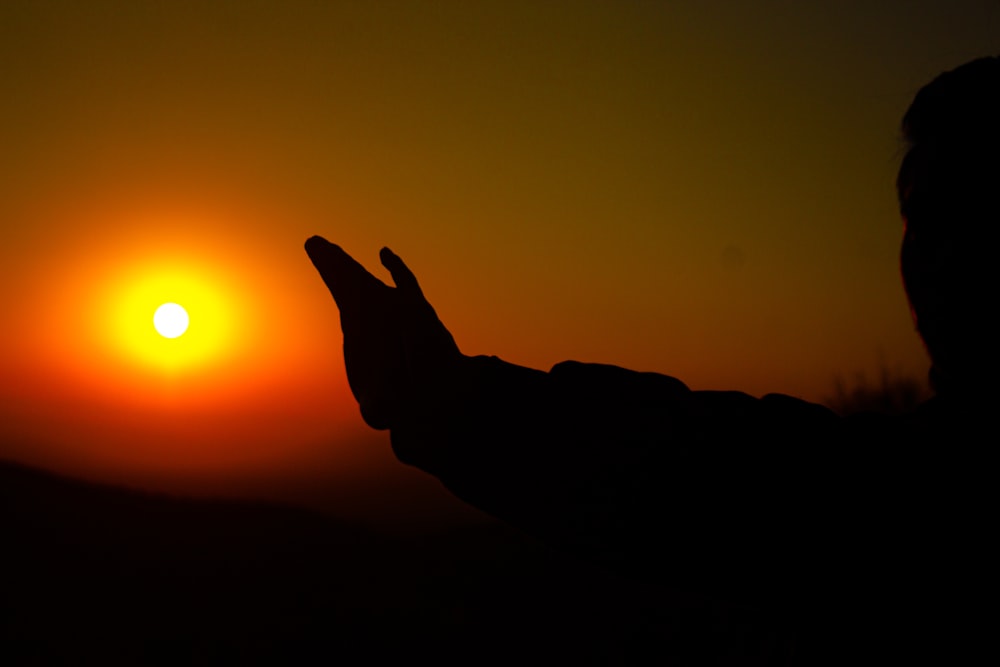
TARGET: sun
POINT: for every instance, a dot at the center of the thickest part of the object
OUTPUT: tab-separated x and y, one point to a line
171	320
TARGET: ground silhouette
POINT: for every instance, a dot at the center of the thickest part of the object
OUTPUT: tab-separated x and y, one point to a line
93	574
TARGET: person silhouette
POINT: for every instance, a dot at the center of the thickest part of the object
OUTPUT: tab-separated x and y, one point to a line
868	530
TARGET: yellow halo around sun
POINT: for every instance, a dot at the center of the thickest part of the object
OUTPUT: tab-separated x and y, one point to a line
171	320
159	289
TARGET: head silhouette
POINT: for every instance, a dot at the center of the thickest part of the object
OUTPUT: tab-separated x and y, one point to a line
949	197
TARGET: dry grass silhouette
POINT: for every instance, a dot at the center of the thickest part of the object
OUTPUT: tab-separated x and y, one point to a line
892	392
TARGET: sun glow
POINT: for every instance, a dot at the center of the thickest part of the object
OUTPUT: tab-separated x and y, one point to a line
254	385
160	289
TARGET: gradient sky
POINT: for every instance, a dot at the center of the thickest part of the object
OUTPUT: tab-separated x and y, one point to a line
703	189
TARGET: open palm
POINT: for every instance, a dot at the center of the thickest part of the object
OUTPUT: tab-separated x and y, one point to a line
397	353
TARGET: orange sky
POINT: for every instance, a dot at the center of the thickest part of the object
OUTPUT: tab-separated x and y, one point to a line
700	190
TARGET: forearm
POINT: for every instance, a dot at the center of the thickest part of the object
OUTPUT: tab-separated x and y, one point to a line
558	454
632	469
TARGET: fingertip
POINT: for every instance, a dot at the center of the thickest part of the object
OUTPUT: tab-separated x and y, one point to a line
315	246
391	261
323	252
400	272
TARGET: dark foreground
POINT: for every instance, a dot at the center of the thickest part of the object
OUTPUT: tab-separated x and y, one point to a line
101	575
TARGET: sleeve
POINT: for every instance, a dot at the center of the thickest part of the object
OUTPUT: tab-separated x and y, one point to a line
708	491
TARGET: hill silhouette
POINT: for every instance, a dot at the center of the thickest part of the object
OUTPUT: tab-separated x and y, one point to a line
99	574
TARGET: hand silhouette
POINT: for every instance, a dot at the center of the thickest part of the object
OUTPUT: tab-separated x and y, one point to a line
400	358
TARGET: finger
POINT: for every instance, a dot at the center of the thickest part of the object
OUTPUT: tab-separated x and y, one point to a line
401	274
344	276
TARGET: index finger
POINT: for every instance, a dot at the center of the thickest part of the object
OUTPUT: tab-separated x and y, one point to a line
343	275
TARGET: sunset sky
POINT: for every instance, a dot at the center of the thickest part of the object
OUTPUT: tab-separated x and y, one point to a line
703	189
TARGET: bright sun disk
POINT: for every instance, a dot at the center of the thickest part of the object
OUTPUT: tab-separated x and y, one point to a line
170	320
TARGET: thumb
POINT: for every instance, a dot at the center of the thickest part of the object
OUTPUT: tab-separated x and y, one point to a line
401	274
